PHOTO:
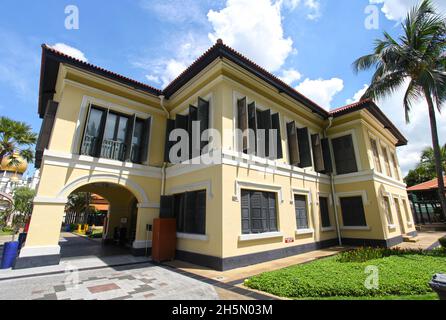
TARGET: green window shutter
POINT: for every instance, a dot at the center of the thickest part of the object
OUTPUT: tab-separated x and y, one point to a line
167	207
201	212
344	154
245	204
300	205
146	140
293	146
193	116
242	122
275	121
129	138
203	117
353	214
45	131
265	122
182	122
327	156
170	126
325	217
318	157
304	148
252	125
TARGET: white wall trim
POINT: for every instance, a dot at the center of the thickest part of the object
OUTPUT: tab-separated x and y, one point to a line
37	251
259	236
251	185
306	231
361	193
148	205
68	160
356	228
142	244
190	236
49	200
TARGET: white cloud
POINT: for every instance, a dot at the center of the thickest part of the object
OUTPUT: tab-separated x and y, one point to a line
176	11
321	91
68	50
253	27
358	95
153	78
313	7
397	9
417	131
289	76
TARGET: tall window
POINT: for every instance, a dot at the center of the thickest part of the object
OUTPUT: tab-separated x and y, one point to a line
344	154
406	212
388	210
300	206
325	216
258	212
115	136
375	155
190	212
395	166
386	160
353	212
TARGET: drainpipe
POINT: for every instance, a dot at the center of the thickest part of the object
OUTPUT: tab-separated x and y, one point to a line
333	191
163	169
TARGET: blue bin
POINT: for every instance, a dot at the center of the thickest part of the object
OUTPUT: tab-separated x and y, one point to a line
10	250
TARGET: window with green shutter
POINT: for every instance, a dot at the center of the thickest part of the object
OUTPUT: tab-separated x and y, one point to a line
300	206
189	209
344	154
258	212
325	216
353	214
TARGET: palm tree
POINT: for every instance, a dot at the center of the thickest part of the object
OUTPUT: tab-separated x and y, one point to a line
16	138
417	57
78	203
428	158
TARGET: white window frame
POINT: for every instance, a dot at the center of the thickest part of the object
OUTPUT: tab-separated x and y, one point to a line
310	214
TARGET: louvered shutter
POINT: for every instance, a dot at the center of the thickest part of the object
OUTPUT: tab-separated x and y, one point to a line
256	212
265	122
170	126
272	212
193	116
293	146
146	140
328	165
245	204
182	122
166	207
252	125
344	155
129	138
201	212
45	131
325	217
304	148
300	205
353	212
242	123
318	157
275	121
203	117
190	212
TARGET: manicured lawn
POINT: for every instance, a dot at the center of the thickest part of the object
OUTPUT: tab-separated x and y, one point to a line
403	276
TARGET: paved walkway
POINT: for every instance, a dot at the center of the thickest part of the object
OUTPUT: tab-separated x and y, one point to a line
426	240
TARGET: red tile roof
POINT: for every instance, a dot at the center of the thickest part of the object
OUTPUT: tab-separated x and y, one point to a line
429	185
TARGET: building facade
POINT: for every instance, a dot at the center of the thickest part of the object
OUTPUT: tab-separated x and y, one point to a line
325	177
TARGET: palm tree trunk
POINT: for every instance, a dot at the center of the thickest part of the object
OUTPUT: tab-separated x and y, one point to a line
437	153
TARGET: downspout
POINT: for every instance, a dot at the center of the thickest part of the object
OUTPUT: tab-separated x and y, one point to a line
163	169
333	191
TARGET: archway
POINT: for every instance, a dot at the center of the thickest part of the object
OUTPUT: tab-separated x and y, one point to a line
115	233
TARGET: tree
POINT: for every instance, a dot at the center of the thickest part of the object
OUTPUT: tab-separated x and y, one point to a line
16	138
22	205
78	203
419	57
428	158
419	175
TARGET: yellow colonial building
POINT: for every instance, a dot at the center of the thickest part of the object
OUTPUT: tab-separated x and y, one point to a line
324	178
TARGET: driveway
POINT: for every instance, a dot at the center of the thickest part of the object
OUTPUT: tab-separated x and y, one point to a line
143	281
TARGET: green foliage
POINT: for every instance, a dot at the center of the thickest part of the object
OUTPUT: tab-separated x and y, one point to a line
400	273
16	137
442	242
425	169
367	253
23	200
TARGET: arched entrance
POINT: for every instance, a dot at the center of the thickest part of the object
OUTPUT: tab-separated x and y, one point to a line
88	231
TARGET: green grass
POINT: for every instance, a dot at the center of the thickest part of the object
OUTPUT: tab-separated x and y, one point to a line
428	296
6	233
401	276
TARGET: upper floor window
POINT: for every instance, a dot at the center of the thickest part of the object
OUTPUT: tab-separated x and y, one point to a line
257	127
395	166
344	154
115	136
375	151
386	160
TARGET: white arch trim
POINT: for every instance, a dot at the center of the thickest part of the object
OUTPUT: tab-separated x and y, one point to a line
133	187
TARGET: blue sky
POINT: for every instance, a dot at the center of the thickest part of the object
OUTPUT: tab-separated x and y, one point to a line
311	44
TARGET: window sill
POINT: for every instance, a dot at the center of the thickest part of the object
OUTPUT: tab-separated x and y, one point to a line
258	236
327	229
304	231
359	228
391	227
410	224
190	236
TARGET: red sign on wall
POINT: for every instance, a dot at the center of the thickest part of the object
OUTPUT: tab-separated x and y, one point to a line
289	240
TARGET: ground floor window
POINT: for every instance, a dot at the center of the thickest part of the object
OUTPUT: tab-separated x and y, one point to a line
388	210
300	206
325	217
353	212
259	214
190	211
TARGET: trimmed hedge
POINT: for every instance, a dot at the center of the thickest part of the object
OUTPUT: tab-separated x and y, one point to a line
405	274
442	242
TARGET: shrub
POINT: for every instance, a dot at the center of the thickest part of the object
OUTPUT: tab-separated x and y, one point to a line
366	253
442	242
